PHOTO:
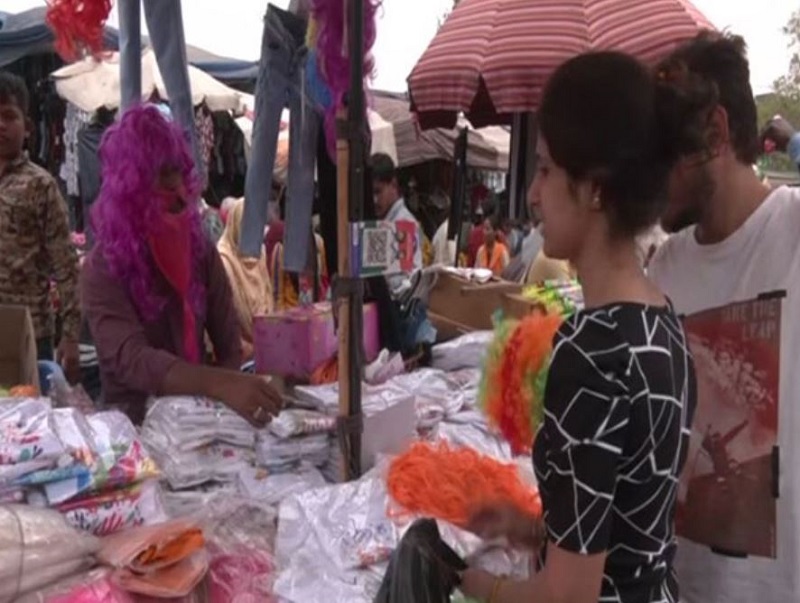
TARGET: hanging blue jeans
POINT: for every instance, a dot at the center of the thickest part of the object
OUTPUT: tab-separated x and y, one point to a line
165	25
281	77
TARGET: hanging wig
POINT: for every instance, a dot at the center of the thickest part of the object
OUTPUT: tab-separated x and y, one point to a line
330	17
133	153
78	26
515	375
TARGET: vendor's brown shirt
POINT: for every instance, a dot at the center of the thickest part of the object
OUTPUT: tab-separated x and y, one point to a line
135	354
35	247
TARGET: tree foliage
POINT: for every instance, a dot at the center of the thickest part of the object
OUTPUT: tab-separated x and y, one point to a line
789	85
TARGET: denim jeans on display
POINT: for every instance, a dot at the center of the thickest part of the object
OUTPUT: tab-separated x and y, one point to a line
165	26
281	77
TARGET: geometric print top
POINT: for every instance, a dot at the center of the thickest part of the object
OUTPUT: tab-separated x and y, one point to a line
620	396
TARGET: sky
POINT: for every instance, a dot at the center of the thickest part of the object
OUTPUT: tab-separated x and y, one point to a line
405	28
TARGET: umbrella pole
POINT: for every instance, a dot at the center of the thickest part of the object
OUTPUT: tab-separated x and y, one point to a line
343	270
351	161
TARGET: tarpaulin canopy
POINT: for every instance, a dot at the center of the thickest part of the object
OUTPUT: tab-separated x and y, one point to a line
487	148
26	33
90	85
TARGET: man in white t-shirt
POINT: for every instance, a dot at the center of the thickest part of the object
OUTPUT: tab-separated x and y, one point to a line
734	240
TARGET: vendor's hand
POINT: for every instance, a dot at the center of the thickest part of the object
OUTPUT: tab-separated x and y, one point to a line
778	131
504	520
477	584
68	356
253	397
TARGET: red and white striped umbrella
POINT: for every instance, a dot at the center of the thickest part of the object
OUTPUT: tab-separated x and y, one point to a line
492	58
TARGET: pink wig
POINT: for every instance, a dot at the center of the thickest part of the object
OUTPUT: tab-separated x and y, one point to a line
133	153
331	48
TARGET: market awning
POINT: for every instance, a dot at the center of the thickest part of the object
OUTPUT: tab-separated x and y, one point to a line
90	85
383	137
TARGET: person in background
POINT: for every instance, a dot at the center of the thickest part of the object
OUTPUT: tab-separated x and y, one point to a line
225	208
249	278
153	284
35	244
733	240
782	134
493	254
390	206
476	235
621	389
292	290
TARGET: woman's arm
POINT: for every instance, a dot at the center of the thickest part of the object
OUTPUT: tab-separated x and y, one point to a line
566	578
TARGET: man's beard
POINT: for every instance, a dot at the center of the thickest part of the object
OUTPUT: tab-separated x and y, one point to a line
698	192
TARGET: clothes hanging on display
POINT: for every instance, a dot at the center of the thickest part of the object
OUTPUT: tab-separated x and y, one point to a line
281	82
74	120
165	25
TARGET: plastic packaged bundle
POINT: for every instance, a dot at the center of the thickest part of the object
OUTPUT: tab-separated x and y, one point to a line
28	440
37	548
109	512
296	422
165	560
423	569
190	422
80	449
189	468
467	351
280	455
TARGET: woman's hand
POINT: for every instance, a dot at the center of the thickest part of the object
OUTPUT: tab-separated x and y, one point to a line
477	584
504	520
254	397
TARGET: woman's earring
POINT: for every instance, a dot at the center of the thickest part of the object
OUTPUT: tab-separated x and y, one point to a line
596	203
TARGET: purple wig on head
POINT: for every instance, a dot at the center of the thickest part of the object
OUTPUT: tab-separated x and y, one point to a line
133	154
332	54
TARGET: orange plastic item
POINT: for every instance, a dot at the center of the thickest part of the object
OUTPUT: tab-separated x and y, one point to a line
452	483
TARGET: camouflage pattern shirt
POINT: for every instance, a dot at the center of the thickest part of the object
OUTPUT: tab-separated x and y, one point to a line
35	247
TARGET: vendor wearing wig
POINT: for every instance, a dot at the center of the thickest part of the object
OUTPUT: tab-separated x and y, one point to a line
620	390
153	284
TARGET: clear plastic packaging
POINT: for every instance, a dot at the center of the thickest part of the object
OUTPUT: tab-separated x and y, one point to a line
467	351
28	440
285	454
296	422
38	547
272	488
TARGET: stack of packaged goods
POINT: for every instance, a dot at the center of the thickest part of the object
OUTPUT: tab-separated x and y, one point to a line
197	441
93	469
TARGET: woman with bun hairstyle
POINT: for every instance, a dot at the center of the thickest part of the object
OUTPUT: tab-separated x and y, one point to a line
621	389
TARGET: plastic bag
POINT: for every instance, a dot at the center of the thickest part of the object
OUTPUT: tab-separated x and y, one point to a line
423	569
467	351
37	547
164	560
260	484
296	422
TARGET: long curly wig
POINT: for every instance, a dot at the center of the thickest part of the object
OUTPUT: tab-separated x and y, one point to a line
133	153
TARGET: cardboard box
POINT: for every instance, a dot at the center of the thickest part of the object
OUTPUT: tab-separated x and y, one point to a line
468	303
18	364
295	342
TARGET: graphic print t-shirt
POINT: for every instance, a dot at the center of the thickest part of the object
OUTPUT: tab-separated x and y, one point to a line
761	257
618	403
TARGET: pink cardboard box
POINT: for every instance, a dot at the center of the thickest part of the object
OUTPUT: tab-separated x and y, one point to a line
295	342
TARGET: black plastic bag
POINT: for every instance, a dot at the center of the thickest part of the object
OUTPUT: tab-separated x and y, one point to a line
423	569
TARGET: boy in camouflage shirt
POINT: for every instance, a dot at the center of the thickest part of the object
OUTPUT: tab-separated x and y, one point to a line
35	244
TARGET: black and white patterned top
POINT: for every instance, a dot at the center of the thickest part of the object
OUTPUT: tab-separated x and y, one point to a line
619	401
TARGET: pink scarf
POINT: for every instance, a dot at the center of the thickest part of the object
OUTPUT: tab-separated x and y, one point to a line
171	246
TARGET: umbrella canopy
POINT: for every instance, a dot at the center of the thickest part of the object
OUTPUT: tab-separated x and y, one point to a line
491	58
487	148
90	85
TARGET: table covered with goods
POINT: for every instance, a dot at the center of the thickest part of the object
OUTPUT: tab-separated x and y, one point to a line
198	506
